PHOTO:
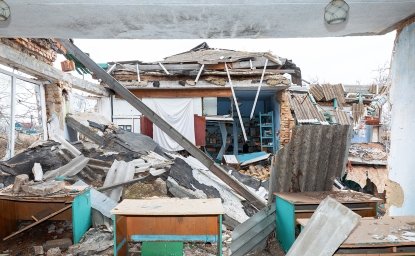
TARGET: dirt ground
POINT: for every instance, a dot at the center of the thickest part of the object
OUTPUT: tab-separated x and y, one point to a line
22	244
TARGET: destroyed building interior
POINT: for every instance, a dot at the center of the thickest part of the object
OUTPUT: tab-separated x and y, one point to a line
208	151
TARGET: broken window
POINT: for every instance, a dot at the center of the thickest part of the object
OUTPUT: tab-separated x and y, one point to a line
5	101
28	115
21	122
82	102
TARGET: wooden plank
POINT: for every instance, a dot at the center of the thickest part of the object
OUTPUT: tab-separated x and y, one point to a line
328	227
121	234
25	210
23	62
172	225
206	160
38	222
220	92
8	220
123	183
348	196
169	206
85	130
363	236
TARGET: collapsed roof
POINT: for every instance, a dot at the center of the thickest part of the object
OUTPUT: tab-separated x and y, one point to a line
205	62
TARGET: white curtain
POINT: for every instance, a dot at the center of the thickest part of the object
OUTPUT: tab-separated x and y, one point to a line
178	113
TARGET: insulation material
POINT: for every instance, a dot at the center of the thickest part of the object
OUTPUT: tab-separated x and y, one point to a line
179	114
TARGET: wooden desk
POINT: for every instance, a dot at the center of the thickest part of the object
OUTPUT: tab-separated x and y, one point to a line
168	219
370	237
292	206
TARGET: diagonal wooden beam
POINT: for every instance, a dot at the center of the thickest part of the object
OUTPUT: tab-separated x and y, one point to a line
221	173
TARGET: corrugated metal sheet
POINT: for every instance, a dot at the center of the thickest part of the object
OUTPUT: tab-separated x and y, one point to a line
304	109
358	111
342	117
317	91
315	156
253	233
339	90
120	171
328	91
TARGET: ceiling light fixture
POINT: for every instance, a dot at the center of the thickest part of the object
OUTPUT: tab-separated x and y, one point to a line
4	11
336	12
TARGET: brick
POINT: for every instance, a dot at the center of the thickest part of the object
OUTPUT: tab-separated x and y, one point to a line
38	250
54	252
19	181
62	244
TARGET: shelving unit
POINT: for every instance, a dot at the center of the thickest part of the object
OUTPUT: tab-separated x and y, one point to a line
267	132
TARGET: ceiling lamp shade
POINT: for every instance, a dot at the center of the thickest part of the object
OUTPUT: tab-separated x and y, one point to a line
336	12
4	11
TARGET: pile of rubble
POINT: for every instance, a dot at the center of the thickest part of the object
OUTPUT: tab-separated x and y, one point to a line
257	171
114	165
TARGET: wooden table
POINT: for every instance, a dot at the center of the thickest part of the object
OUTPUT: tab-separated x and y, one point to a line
74	207
385	236
168	219
292	206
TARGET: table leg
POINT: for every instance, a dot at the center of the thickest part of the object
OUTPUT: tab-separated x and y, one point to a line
219	243
120	238
114	228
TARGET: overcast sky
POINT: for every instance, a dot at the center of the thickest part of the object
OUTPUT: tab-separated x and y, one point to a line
347	60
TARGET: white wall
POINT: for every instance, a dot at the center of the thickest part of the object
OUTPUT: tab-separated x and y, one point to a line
104	107
402	161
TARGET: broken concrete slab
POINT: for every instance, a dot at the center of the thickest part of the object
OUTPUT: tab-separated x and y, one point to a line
44	188
19	181
62	244
328	227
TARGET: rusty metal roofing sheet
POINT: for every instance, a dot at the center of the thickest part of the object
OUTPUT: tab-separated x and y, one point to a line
305	110
315	156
